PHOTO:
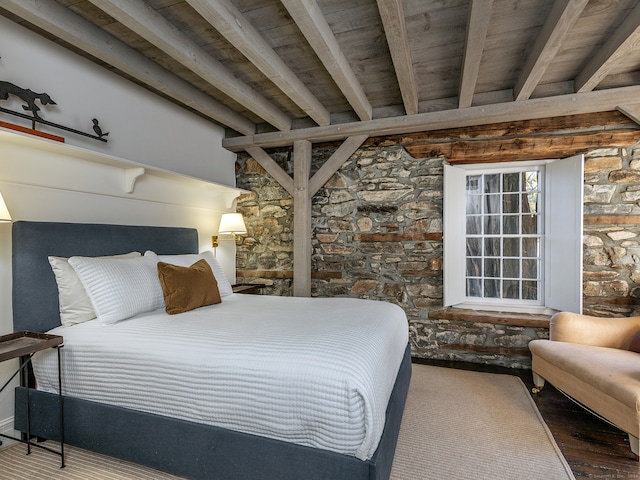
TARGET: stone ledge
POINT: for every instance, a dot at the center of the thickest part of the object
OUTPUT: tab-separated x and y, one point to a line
496	318
398	237
265	273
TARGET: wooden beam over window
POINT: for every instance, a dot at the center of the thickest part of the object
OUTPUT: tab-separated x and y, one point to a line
478	17
563	16
561	105
230	22
392	15
623	40
61	22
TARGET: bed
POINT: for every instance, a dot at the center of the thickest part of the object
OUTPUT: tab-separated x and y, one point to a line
178	443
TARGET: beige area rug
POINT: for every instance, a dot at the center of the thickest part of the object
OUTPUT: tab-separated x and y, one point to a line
457	425
478	426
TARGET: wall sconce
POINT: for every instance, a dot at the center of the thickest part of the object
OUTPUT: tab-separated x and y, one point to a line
5	216
232	223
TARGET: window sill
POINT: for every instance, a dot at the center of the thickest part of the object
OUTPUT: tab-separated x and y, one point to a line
496	318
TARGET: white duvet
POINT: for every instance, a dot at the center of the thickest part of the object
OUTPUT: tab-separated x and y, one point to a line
313	371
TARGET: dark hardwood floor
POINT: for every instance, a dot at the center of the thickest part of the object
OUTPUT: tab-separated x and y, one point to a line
593	448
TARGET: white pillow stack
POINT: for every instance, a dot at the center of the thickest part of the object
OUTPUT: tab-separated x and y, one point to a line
120	289
75	305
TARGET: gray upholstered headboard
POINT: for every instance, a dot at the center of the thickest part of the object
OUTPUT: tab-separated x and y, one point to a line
35	293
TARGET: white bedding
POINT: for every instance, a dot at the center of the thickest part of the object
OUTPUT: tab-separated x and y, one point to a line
313	371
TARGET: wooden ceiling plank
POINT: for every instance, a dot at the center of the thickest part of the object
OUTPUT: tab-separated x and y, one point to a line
151	25
331	166
562	17
316	30
230	22
272	168
395	29
623	41
572	104
478	17
73	29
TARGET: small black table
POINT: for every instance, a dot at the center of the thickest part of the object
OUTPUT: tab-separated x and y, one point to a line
25	344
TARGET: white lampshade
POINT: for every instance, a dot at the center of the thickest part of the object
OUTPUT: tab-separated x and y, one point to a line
5	216
232	223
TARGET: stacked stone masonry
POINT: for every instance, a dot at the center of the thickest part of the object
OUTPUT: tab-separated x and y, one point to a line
377	234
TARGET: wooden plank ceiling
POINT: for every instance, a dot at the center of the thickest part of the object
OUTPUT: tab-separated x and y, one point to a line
274	72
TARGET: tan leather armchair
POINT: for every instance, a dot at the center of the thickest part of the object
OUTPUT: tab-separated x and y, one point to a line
588	358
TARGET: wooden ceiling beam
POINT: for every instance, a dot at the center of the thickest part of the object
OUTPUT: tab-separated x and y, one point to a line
152	26
620	43
230	22
395	29
571	104
316	30
478	17
61	22
562	17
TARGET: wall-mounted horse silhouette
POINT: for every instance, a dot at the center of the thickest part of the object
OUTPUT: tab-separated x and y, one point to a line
28	96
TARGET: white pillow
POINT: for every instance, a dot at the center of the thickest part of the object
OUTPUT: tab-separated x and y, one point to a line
120	289
75	306
189	259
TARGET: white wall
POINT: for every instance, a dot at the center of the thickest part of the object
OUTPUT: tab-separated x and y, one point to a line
45	181
142	126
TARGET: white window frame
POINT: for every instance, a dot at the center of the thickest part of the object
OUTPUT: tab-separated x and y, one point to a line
563	213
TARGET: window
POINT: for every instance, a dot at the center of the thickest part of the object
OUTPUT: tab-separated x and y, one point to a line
513	236
504	235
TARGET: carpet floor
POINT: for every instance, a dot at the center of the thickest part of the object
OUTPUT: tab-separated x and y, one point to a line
457	425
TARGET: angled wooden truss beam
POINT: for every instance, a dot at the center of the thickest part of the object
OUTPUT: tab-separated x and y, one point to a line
230	22
272	168
331	166
632	111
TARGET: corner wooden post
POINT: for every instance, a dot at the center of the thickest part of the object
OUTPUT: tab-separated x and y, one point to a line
301	219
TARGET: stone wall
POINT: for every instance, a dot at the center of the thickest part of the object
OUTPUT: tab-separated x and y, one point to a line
611	232
377	233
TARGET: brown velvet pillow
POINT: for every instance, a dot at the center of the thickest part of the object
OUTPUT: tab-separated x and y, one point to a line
186	288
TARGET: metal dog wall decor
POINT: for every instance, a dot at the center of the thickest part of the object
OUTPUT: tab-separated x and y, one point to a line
29	97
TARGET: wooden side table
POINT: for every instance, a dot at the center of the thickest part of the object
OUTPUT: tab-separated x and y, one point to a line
25	344
253	288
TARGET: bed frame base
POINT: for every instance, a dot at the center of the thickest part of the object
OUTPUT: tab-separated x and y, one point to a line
200	451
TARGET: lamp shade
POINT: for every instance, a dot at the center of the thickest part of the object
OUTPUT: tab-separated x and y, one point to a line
232	223
5	216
